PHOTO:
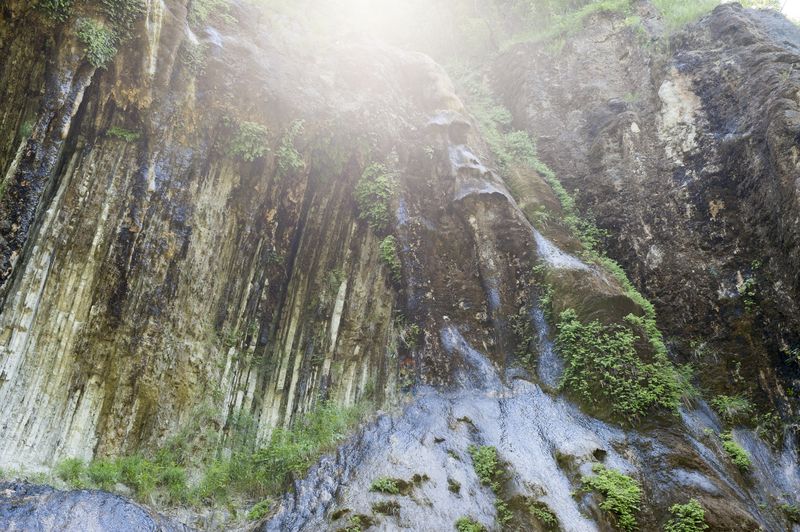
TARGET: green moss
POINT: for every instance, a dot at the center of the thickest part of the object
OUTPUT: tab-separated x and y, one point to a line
250	142
468	524
736	452
125	134
288	158
374	193
259	510
386	507
622	495
99	42
390	257
732	409
689	517
603	368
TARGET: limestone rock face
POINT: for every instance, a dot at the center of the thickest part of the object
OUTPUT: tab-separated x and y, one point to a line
686	151
180	237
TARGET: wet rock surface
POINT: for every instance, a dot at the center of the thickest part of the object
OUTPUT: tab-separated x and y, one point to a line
684	149
26	507
147	275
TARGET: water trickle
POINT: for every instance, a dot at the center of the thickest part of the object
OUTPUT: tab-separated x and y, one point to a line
549	365
554	256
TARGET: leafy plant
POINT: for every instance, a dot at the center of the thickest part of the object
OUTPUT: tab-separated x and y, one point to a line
374	192
385	485
732	408
250	141
468	524
58	10
289	159
259	510
390	257
736	452
622	494
544	515
487	465
99	42
689	517
123	14
72	471
104	473
603	366
201	10
791	511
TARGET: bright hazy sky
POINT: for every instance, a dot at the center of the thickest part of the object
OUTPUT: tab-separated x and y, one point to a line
791	8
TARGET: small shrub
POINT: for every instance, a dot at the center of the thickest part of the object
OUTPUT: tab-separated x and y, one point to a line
104	473
99	42
385	485
374	192
732	409
201	10
689	517
259	510
250	142
504	513
125	134
358	523
389	256
468	524
622	494
736	452
72	471
289	159
387	508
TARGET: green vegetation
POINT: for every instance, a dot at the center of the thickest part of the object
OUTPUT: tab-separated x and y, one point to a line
630	385
487	466
202	10
386	508
386	485
288	158
602	366
99	42
453	485
248	473
58	10
125	134
791	511
504	513
123	14
689	517
250	142
622	494
732	409
678	13
390	257
374	192
736	452
468	524
544	515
